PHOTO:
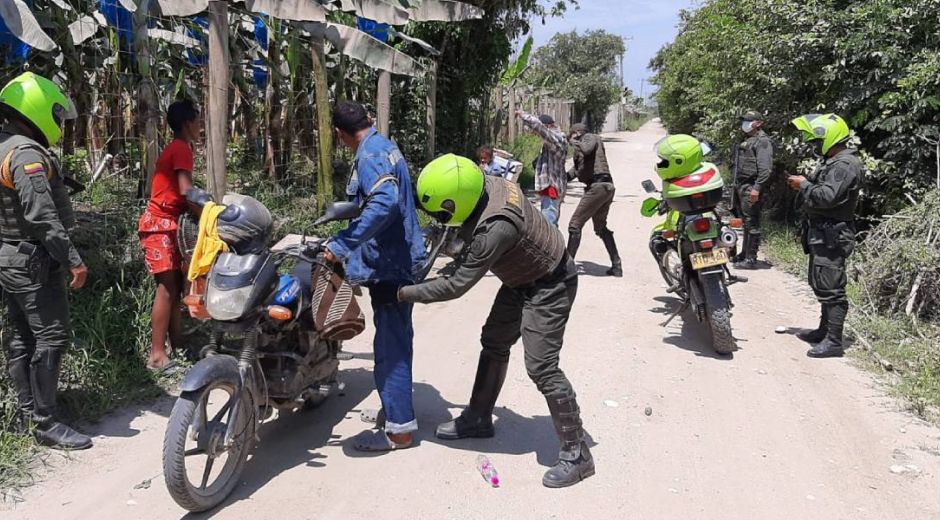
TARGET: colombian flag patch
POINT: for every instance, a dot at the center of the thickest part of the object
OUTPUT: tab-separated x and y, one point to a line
33	168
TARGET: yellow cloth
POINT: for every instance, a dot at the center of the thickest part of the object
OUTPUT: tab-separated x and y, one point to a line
208	243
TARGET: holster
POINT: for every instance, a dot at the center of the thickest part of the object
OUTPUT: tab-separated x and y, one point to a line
38	263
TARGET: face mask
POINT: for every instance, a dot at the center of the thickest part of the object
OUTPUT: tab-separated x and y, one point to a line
747	126
818	148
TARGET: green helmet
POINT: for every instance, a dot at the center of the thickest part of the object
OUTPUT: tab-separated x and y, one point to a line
449	188
828	128
40	102
679	156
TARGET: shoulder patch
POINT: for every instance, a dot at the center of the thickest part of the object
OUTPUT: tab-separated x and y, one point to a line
514	196
34	168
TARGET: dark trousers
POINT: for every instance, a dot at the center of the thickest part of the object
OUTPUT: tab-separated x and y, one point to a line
39	336
829	245
539	314
393	347
594	206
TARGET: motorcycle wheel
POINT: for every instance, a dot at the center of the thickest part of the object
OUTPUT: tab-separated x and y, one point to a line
719	322
197	438
670	267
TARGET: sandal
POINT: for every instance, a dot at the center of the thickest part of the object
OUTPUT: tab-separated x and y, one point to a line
168	368
373	416
376	441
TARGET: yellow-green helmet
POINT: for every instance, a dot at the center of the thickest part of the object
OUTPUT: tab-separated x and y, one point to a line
828	128
41	102
679	156
449	188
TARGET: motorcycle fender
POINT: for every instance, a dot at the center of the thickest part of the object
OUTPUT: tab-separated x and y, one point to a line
713	289
210	369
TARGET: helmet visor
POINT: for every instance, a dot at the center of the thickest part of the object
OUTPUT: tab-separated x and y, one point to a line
66	112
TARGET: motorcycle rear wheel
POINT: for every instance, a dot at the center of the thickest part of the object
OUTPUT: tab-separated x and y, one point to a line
719	322
180	446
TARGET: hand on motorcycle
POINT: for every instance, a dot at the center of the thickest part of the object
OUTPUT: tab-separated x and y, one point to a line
795	181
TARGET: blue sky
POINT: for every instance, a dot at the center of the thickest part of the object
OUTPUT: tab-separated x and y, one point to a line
651	23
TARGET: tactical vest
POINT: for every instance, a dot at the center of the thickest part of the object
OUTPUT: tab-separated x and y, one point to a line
594	164
540	247
747	159
844	212
11	210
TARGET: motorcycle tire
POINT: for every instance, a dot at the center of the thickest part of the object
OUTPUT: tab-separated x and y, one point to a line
202	497
719	322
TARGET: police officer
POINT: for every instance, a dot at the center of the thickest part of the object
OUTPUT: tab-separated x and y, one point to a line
591	168
829	198
754	165
505	234
34	214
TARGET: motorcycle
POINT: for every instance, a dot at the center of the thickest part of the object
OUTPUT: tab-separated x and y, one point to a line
264	352
692	249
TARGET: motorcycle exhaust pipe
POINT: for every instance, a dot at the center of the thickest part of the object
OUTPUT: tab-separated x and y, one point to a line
728	238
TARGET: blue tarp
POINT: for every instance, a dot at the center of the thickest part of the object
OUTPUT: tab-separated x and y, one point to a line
198	57
258	68
377	30
13	50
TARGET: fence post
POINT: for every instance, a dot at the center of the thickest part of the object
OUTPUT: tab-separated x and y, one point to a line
324	126
513	120
217	110
147	99
432	110
384	102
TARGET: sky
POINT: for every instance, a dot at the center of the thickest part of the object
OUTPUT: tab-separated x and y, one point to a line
651	24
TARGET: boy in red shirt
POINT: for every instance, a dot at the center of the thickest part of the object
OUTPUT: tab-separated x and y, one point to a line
157	229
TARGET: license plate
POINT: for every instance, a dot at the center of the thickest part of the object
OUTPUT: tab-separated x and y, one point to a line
709	258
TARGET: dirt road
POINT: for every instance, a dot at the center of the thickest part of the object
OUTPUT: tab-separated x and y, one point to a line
769	434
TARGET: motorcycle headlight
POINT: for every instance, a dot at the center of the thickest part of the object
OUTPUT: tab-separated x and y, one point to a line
227	305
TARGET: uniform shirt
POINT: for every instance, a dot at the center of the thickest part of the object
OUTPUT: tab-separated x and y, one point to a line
590	158
385	243
41	218
756	170
166	201
550	166
491	241
832	191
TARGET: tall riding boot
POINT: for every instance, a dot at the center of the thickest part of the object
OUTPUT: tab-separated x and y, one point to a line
18	368
477	418
745	246
753	246
616	268
44	373
574	461
815	336
574	242
831	345
748	257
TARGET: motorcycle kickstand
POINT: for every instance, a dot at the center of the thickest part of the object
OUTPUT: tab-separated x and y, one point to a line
734	278
680	310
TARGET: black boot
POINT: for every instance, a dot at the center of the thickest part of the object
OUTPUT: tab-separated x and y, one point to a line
616	269
574	242
831	345
477	418
18	368
574	461
44	373
813	336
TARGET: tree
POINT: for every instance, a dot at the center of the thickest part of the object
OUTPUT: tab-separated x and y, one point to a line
582	68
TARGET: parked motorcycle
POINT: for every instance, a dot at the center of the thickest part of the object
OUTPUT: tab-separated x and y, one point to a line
265	352
692	248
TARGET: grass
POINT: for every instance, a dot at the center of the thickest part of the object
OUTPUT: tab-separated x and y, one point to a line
633	122
906	353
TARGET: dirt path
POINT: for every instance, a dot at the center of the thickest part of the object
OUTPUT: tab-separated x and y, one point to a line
768	434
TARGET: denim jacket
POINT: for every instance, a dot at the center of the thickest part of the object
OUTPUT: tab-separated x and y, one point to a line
385	243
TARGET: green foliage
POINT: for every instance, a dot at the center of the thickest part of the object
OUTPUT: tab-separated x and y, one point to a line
526	149
582	67
516	68
875	62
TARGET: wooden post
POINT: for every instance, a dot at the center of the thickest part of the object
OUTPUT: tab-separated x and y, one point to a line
324	126
432	110
513	120
384	102
147	99
217	109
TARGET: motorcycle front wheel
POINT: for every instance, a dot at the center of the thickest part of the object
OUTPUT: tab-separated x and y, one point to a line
200	471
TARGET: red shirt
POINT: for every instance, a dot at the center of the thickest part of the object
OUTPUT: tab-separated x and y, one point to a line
166	201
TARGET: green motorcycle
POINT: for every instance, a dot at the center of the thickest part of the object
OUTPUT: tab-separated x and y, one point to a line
693	246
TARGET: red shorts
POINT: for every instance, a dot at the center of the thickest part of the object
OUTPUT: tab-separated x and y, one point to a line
158	238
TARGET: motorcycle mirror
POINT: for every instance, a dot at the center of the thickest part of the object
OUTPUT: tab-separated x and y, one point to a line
650	207
648	186
339	211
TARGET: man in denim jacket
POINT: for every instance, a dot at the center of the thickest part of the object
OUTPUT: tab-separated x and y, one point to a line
382	249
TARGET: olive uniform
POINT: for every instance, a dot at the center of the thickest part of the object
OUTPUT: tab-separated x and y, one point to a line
508	236
755	160
829	199
591	168
35	212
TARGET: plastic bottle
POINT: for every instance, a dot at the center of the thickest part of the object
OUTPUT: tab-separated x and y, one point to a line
487	470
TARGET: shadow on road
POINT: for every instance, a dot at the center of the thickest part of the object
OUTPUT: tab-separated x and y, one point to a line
588	268
294	439
693	336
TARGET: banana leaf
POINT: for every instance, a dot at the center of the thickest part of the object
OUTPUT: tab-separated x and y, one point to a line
366	49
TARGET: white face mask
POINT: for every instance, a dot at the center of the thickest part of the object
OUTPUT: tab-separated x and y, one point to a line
747	126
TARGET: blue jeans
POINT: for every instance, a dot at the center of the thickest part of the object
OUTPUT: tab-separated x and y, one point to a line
393	348
551	208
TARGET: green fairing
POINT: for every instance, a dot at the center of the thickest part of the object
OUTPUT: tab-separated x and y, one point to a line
670	224
711	233
673	191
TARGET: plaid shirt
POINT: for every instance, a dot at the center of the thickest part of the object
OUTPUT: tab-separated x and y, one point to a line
550	166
